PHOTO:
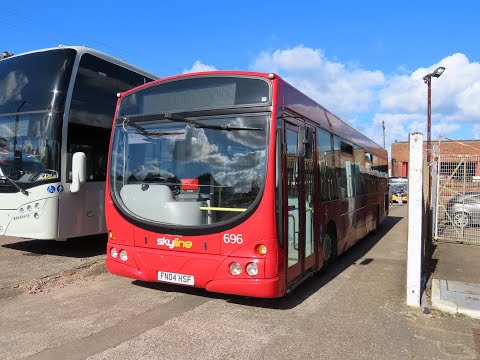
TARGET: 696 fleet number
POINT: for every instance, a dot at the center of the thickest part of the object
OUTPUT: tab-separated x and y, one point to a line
233	238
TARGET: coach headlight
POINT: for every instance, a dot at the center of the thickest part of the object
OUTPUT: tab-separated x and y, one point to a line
113	253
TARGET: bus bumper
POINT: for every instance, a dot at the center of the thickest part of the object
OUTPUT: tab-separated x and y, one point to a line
264	288
207	275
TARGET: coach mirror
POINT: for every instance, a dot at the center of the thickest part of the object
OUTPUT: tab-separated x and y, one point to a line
305	141
79	171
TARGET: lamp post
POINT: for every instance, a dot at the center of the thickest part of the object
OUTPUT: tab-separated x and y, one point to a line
428	80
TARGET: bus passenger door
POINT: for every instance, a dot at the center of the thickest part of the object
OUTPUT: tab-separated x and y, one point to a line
300	204
309	184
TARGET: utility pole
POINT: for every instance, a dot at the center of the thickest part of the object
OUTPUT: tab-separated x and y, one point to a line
383	127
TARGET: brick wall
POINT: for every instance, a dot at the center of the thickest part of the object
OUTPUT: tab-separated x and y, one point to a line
399	153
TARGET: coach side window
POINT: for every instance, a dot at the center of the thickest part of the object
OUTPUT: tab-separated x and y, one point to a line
92	109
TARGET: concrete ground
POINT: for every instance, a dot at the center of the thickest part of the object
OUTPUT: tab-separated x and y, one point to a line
456	278
356	310
457	262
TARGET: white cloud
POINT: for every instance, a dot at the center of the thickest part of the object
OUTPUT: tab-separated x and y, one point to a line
11	87
467	101
341	88
198	66
453	94
399	99
476	132
298	58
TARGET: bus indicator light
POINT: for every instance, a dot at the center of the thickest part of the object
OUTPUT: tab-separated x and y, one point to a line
261	249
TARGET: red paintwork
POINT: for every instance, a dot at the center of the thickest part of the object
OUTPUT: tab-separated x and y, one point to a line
210	266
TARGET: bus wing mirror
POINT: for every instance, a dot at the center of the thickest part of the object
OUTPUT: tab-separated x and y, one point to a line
79	171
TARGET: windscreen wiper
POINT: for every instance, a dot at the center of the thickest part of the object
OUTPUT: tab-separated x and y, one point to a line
13	183
198	125
145	132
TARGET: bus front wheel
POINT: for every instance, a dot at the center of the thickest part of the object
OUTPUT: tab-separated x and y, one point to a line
329	249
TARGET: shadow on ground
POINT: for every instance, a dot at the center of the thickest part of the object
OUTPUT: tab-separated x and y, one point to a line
305	290
77	247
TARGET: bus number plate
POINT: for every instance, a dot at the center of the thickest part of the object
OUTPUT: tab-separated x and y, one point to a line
175	278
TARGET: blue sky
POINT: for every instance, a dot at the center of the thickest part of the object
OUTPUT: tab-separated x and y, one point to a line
363	60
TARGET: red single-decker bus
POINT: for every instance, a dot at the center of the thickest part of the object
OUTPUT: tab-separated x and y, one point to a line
236	182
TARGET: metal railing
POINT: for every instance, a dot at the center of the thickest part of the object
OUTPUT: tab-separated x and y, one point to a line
456	205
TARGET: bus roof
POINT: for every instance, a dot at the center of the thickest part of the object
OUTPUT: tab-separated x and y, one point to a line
304	105
298	102
84	49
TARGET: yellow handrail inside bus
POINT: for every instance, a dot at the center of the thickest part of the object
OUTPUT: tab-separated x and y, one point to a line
207	208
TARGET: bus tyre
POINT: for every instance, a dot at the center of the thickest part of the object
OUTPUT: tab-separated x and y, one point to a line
329	249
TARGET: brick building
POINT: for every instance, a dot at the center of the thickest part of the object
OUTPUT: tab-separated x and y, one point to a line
399	153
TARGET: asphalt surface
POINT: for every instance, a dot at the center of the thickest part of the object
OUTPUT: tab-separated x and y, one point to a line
66	306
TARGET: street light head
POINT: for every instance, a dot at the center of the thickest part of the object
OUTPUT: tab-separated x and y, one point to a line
438	71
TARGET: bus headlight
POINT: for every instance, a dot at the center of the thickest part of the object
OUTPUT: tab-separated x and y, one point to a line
252	269
235	268
113	253
123	255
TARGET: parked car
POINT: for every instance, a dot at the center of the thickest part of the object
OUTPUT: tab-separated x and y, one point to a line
464	209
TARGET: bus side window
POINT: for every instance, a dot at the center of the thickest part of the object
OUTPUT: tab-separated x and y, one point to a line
327	173
340	168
